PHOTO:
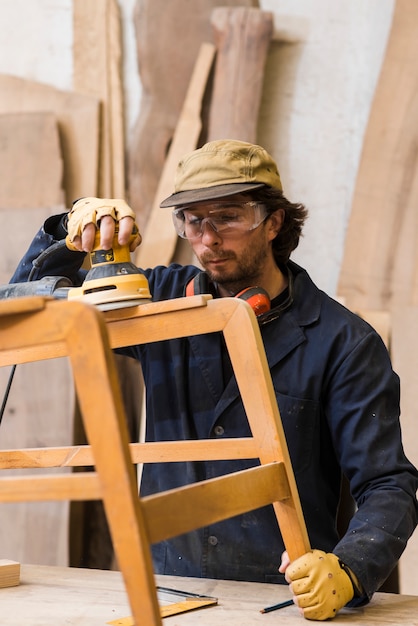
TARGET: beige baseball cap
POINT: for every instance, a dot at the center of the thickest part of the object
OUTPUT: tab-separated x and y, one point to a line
222	168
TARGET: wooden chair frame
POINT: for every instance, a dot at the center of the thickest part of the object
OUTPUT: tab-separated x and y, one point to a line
35	328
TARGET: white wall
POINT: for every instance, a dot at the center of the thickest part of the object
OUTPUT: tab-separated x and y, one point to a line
36	40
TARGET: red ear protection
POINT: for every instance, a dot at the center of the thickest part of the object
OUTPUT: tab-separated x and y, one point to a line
257	297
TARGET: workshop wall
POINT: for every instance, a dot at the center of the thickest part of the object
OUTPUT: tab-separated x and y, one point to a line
320	79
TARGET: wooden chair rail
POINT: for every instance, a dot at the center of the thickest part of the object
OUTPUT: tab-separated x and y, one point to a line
213	500
162	452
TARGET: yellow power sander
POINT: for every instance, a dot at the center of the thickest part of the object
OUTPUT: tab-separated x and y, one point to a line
112	282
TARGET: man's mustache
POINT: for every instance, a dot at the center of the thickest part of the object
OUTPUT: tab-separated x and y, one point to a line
207	257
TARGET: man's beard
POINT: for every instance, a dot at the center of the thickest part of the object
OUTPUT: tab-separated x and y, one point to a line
249	267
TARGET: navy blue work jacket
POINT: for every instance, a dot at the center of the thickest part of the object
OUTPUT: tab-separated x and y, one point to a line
339	402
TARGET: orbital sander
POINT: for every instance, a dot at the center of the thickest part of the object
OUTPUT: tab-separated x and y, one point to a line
112	282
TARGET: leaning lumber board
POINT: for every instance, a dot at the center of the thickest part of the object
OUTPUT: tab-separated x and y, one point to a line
30	161
97	60
380	258
78	119
404	354
165	68
160	238
242	37
39	407
31	164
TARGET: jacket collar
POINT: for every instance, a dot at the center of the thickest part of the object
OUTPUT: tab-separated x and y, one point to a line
287	331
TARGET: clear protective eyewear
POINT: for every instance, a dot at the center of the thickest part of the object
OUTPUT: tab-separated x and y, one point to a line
226	218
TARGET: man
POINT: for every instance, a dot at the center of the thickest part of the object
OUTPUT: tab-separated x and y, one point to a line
337	393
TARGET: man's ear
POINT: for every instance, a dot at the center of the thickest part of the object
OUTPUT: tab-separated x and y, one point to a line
275	222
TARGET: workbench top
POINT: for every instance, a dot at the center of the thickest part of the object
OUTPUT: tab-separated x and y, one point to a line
61	596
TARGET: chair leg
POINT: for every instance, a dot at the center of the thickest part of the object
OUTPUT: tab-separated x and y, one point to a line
101	405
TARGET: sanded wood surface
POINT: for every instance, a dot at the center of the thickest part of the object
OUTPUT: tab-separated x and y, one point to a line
51	596
242	37
379	269
78	121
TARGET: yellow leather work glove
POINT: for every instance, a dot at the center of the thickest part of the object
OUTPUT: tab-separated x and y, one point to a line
91	210
319	584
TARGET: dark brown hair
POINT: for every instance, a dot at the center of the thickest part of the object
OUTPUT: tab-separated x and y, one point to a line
295	215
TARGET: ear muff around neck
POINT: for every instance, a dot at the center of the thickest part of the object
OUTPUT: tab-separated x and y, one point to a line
257	297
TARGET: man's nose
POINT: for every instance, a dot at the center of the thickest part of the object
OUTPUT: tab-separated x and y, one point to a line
209	234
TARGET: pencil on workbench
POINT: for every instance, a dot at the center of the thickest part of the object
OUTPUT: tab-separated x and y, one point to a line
275	607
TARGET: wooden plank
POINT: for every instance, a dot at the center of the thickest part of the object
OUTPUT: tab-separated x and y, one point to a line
30	154
210	501
9	573
380	257
79	456
159	27
242	37
160	237
97	61
36	414
78	118
77	486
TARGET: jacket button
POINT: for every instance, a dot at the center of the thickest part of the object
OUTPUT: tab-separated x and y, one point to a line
219	430
212	540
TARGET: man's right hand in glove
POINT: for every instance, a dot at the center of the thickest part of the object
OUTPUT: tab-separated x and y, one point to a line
320	583
89	214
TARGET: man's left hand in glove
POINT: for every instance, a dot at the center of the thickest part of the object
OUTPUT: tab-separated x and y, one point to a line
319	583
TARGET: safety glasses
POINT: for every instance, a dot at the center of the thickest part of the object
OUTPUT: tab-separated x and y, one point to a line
226	218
